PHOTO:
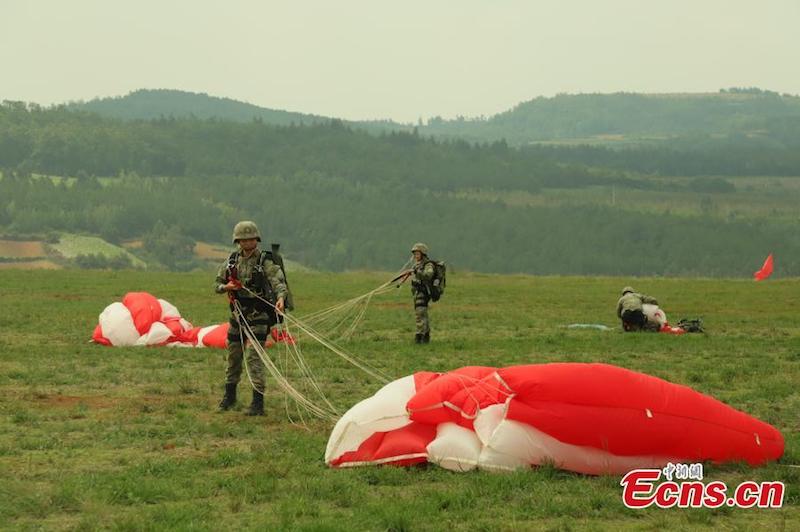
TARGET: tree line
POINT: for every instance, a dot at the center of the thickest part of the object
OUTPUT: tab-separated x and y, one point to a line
657	116
339	199
334	224
59	141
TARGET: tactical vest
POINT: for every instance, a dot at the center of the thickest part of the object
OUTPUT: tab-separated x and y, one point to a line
258	282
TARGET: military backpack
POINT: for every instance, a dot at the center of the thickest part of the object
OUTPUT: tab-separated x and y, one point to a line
439	280
692	325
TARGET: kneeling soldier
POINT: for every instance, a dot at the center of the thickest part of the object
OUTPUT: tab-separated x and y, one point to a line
629	309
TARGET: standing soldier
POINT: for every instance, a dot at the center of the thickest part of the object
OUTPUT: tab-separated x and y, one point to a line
422	272
249	277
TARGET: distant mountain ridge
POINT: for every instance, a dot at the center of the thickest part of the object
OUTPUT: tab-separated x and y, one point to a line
613	119
148	104
609	118
347	199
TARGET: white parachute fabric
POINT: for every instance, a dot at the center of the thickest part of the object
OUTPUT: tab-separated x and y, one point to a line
141	319
116	325
656	318
588	418
384	411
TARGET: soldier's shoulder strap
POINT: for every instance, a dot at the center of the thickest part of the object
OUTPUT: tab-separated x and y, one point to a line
231	267
267	255
233	258
274	258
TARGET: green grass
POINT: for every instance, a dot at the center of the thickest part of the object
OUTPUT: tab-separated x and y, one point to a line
128	438
758	199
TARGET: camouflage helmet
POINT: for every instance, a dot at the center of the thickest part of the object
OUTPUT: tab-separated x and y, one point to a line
245	230
419	246
627	289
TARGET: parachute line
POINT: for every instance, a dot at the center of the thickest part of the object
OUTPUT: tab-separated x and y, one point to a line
329	344
299	398
342	319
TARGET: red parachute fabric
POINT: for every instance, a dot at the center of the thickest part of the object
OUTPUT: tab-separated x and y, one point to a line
282	336
98	338
668	329
629	413
400	447
217	337
144	308
588	418
455	396
765	271
143	319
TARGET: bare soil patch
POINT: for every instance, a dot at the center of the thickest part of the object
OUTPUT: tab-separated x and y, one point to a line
22	249
394	304
68	401
207	251
30	265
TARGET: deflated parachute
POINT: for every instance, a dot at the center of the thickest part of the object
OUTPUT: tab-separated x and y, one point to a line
143	319
587	418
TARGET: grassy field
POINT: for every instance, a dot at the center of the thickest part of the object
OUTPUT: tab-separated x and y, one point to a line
128	438
755	198
70	246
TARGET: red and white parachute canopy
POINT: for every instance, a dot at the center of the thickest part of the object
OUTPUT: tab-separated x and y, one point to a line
143	319
588	418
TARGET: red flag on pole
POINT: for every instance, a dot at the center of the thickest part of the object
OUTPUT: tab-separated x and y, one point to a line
765	271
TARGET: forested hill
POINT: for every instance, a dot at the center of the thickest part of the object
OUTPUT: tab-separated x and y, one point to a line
147	104
68	143
339	198
616	118
610	119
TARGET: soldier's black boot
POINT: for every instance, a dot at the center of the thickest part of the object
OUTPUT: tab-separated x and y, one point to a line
418	338
257	406
426	338
229	399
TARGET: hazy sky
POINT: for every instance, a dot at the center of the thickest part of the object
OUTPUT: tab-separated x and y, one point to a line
400	59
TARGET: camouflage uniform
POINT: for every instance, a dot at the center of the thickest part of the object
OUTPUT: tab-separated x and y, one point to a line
629	309
260	279
422	276
259	315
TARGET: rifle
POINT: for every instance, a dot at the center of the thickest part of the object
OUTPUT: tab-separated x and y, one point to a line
400	279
